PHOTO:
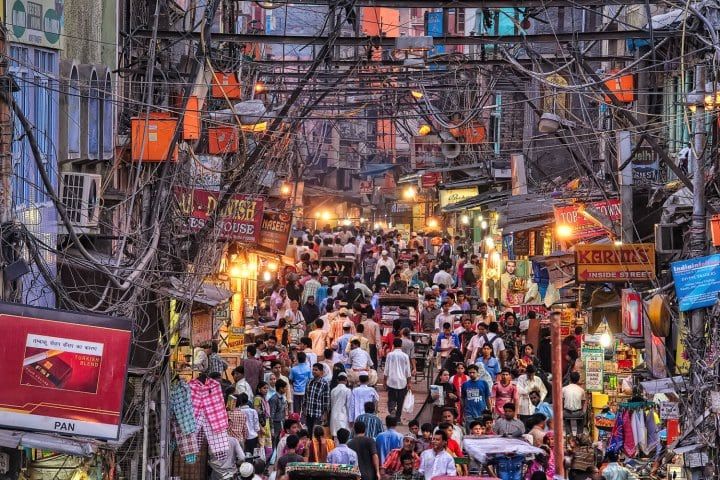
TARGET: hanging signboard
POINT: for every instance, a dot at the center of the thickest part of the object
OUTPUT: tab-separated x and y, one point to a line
615	263
63	372
583	226
697	281
632	313
454	195
646	165
275	230
366	187
594	360
429	180
239	221
669	410
38	23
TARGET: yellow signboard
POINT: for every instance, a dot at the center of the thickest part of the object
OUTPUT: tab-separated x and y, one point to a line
454	195
615	263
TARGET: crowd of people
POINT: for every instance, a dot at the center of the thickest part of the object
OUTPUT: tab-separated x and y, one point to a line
308	389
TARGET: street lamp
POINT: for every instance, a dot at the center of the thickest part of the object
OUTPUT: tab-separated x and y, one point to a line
606	338
564	231
483	224
409	193
432	223
465	220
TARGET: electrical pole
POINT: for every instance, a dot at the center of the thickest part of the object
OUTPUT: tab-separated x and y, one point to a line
625	181
557	401
698	231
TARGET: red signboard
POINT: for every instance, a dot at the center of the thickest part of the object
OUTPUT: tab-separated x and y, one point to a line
63	372
429	180
582	226
275	230
366	187
632	313
239	221
615	263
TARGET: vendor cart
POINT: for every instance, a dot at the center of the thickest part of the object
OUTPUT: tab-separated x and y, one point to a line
313	471
401	307
423	357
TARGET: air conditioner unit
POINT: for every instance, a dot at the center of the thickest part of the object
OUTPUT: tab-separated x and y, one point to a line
80	195
668	238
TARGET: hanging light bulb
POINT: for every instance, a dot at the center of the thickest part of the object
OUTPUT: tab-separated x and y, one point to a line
606	339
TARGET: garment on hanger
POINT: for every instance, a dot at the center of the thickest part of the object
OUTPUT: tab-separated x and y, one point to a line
652	431
629	446
639	430
183	421
616	437
210	415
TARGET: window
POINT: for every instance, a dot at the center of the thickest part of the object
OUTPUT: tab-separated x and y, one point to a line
73	114
555	98
35	71
108	130
93	112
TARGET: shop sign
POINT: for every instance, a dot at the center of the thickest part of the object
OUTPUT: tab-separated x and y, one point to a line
697	281
615	263
646	165
523	310
583	227
454	195
239	221
63	372
594	359
366	187
275	230
429	180
669	410
38	23
236	339
632	313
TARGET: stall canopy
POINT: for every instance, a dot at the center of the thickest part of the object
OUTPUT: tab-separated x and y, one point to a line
69	446
205	293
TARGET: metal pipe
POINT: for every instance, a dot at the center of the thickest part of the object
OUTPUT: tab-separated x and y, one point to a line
146	428
698	230
557	403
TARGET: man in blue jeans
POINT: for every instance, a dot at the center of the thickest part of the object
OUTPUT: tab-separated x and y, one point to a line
300	376
475	394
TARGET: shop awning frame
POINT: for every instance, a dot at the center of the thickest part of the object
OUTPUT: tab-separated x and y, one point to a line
206	293
79	447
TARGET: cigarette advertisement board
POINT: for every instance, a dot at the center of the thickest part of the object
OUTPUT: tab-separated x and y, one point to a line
63	372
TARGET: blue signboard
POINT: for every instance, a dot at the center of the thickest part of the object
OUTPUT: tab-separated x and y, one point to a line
697	281
435	27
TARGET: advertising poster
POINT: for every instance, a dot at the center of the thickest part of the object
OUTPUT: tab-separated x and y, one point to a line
63	372
594	359
632	313
697	281
275	230
583	226
239	221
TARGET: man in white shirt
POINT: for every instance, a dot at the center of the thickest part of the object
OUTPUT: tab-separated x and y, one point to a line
201	357
484	336
360	363
398	374
527	383
360	395
350	248
573	394
443	278
385	261
436	461
444	316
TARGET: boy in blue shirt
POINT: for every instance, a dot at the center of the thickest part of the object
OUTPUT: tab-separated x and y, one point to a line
300	375
475	396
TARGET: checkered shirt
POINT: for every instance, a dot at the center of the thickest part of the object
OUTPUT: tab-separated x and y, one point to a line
187	442
317	397
216	364
238	424
218	443
181	406
208	399
373	425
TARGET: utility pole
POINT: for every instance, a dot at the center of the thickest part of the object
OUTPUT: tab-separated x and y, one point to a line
557	401
625	182
698	231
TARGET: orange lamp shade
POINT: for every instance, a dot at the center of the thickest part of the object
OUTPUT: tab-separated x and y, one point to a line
226	85
715	230
151	137
474	133
223	140
623	87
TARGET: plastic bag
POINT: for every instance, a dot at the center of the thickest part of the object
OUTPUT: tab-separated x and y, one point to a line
409	403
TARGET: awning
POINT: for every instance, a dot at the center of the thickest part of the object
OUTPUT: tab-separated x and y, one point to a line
486	198
67	445
205	293
664	385
520	227
376	169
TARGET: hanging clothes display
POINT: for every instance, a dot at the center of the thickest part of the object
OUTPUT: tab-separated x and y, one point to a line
629	446
639	430
616	437
210	415
653	440
183	420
